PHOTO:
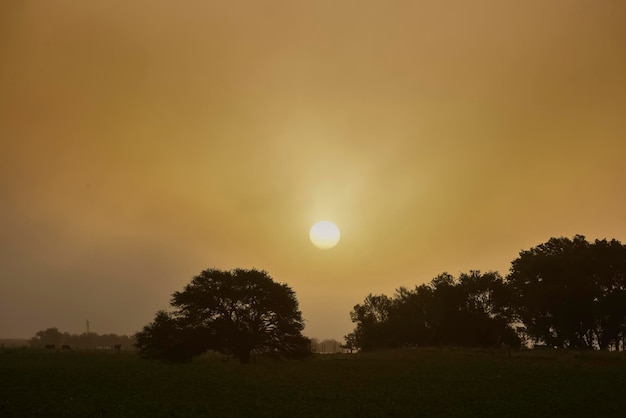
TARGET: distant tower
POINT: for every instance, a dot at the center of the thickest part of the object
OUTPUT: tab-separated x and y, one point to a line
87	321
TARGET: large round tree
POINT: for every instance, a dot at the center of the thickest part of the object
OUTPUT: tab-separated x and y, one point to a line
233	312
571	293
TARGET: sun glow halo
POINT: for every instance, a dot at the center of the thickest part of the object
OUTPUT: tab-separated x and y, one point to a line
324	235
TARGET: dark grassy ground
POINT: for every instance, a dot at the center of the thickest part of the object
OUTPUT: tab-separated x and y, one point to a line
421	382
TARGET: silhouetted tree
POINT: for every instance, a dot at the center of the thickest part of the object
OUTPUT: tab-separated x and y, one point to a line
233	312
371	318
328	346
467	312
411	317
445	311
49	336
351	343
571	293
485	318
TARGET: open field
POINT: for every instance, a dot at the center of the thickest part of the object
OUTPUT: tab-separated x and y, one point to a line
421	382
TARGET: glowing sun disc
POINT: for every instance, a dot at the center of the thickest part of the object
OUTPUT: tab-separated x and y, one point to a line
324	234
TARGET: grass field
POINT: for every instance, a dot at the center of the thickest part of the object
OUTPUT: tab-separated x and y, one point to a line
422	382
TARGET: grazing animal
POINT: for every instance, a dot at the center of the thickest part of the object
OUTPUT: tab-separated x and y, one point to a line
117	347
50	347
66	347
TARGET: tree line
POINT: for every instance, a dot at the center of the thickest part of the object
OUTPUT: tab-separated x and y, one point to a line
326	346
54	337
565	293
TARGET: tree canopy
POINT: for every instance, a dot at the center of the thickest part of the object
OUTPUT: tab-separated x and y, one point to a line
567	293
571	292
233	312
463	312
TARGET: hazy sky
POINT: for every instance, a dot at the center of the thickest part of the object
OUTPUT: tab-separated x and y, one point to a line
144	141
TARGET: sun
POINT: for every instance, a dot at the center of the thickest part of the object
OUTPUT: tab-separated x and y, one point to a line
324	234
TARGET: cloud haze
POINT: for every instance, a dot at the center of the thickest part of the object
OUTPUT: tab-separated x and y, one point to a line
141	142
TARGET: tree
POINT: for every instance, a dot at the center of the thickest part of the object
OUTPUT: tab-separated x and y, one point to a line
350	343
46	337
444	311
468	312
485	318
411	316
326	346
371	318
233	312
571	293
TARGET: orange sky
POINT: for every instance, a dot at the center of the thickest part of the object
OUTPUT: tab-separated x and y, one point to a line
142	142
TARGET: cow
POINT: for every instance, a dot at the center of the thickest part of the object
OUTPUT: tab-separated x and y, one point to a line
50	347
66	347
117	347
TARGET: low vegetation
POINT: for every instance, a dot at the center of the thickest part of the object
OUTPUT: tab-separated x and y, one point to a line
412	382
